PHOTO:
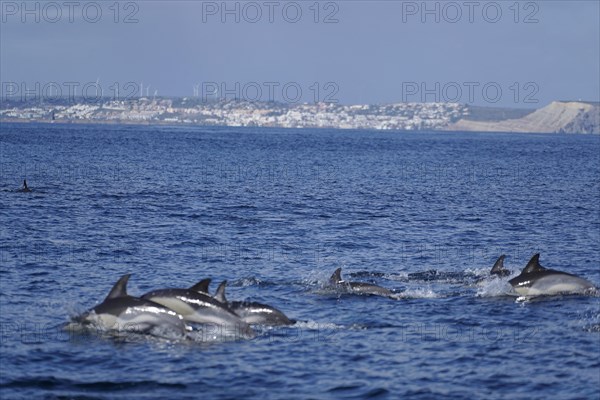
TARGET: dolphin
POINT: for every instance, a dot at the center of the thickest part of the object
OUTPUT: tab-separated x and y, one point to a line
24	188
498	268
358	287
536	280
196	306
252	312
122	312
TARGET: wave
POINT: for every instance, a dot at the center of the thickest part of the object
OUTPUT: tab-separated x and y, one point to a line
589	320
52	382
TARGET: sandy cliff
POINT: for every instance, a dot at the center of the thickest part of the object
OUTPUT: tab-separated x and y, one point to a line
557	117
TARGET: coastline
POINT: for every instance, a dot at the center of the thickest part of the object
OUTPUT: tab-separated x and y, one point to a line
557	117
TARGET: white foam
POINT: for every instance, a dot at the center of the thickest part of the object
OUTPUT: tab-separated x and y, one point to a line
400	276
478	271
314	325
245	282
210	335
494	288
419	293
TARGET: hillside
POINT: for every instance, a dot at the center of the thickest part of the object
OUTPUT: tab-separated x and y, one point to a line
557	117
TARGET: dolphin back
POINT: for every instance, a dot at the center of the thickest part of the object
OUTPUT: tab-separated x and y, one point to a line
498	268
368	288
220	294
260	314
200	308
119	289
202	286
336	277
533	265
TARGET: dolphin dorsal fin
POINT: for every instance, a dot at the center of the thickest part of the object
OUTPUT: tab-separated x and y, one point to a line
201	286
337	276
220	294
120	288
498	268
533	265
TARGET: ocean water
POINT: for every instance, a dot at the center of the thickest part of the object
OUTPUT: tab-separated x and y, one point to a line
275	212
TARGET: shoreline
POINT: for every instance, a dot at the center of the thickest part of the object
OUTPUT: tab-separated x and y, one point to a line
181	124
557	117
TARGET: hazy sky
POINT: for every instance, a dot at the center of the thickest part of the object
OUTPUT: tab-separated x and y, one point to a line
487	53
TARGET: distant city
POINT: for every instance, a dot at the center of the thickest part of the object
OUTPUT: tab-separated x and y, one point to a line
565	117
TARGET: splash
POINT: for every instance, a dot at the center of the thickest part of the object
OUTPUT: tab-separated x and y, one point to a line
245	282
314	325
494	288
418	293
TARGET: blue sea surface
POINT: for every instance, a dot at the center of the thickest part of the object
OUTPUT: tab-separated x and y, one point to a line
274	212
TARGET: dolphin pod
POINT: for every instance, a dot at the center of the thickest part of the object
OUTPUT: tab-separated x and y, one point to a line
174	311
535	280
167	312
